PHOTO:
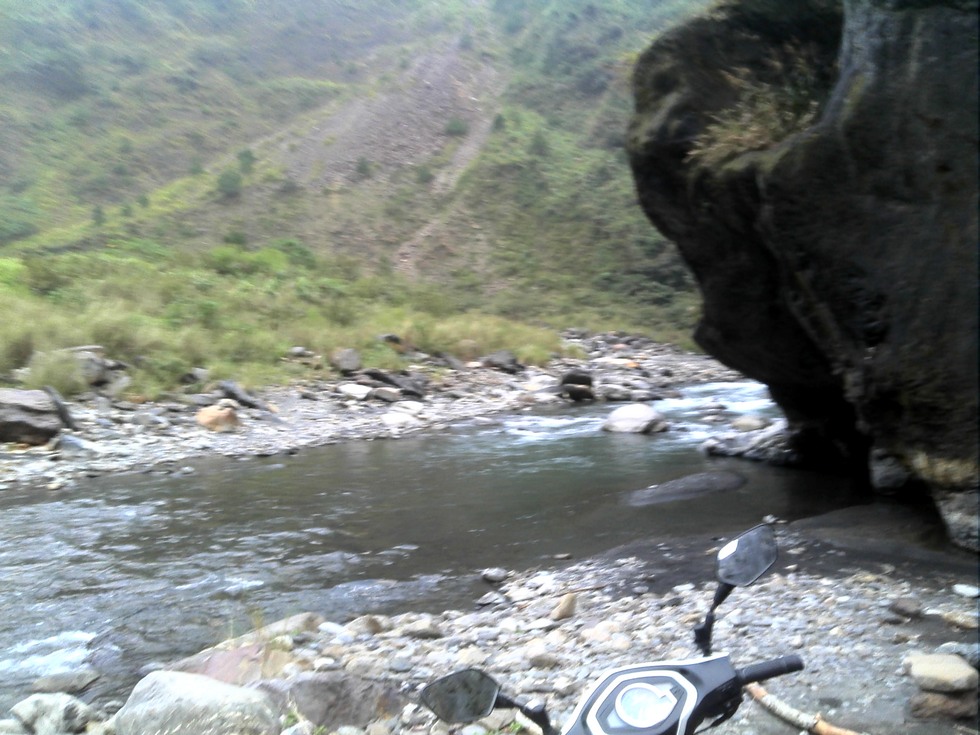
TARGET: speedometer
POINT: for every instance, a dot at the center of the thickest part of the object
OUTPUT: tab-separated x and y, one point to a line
643	705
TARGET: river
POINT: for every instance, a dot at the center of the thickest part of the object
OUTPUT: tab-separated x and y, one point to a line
130	570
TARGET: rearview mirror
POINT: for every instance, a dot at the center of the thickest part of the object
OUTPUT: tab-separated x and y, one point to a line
464	696
746	558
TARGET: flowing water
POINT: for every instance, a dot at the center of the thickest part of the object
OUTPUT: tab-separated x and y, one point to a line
129	570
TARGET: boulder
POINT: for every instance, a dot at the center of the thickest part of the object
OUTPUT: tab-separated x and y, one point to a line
259	654
189	704
635	418
221	417
504	360
836	254
335	698
346	361
28	416
53	714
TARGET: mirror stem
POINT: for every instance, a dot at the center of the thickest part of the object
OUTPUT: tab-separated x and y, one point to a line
702	632
535	712
721	594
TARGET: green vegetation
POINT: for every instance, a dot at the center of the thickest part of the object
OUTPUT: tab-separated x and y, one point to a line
770	107
163	192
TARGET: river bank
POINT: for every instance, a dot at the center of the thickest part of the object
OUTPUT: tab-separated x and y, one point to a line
113	436
546	633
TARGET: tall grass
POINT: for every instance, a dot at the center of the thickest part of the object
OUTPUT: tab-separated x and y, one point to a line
166	313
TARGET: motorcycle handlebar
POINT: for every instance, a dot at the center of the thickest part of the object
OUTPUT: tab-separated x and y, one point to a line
768	669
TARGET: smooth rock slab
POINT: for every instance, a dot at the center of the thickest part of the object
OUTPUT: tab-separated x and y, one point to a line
189	704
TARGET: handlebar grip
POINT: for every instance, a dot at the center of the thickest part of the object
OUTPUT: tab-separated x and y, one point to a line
768	669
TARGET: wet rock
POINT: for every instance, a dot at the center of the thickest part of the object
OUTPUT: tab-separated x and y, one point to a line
772	444
635	418
171	701
750	423
70	446
683	488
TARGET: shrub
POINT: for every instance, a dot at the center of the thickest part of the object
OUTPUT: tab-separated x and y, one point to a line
246	160
235	237
230	183
298	254
456	127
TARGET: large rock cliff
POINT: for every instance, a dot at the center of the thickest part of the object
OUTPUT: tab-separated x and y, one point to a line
816	164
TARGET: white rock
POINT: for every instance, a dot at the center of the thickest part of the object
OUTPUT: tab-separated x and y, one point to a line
941	672
178	702
966	590
635	418
354	390
399	420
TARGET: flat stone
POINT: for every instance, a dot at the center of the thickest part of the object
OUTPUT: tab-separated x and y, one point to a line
942	672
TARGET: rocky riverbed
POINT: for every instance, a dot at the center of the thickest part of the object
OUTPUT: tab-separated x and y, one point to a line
855	593
113	435
547	633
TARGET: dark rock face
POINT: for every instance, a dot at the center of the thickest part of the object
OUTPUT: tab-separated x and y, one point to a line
838	260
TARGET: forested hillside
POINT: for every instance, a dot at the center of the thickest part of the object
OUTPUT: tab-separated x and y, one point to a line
211	181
